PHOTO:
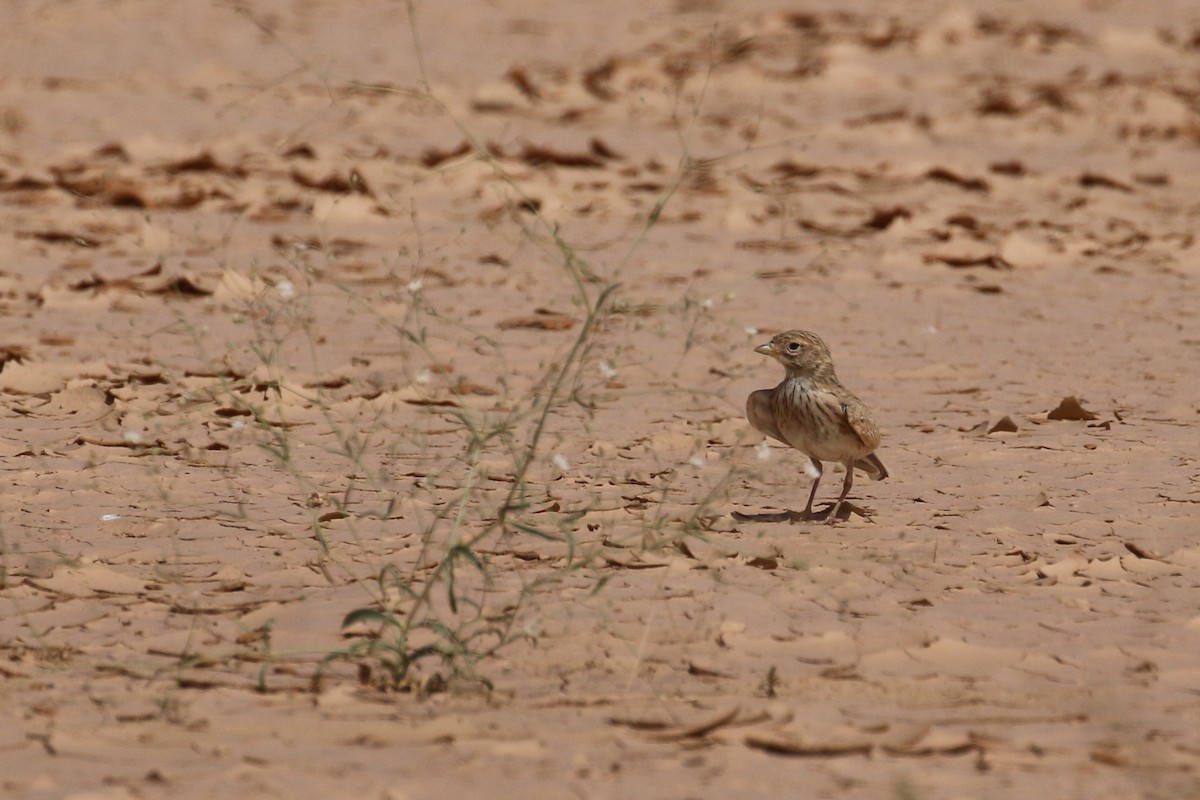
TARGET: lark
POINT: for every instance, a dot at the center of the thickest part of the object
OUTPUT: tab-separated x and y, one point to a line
813	412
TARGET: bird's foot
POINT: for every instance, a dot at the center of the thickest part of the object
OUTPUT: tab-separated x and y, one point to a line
807	515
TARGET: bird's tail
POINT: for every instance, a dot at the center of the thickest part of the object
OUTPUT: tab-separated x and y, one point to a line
871	465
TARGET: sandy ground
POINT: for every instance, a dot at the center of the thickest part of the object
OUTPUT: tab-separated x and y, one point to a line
261	269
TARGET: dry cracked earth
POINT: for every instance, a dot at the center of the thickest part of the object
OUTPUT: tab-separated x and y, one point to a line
300	296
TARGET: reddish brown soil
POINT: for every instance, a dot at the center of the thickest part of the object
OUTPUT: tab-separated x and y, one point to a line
224	235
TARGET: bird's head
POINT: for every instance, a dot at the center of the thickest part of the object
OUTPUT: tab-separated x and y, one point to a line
800	352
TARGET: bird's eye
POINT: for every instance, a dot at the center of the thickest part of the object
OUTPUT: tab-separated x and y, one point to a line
793	347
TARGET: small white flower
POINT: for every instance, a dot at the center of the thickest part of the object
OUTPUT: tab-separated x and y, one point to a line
763	451
607	370
751	330
424	376
812	470
286	289
697	460
132	437
238	425
414	285
109	517
708	303
561	462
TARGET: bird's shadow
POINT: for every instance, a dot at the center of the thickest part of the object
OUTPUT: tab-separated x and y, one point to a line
822	515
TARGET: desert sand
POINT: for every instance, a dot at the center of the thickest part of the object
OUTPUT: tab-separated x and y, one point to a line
313	308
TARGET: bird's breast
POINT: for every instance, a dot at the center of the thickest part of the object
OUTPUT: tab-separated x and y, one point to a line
813	420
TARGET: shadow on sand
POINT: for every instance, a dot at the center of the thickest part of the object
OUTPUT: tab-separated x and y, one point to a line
822	515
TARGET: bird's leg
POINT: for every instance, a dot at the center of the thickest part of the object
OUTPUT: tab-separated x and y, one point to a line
846	484
816	473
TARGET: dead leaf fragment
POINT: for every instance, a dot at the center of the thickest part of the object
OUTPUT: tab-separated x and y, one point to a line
433	156
416	401
520	79
789	746
1005	425
1093	180
1109	756
180	286
991	261
335	182
203	161
1013	169
596	80
639	724
17	353
59	237
539	155
632	562
943	175
702	728
543	322
468	388
703	670
1070	409
1141	552
936	743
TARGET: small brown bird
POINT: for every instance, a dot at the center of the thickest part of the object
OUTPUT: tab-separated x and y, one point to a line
811	411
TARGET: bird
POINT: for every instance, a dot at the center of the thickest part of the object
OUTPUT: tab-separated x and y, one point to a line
813	412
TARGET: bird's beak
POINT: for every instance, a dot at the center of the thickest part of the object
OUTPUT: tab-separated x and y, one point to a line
767	349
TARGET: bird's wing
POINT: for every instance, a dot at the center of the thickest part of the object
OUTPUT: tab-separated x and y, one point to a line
758	411
859	419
